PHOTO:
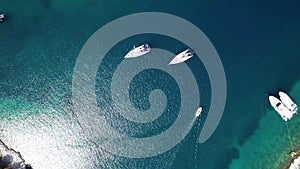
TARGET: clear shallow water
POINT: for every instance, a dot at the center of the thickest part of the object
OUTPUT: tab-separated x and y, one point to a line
38	51
270	140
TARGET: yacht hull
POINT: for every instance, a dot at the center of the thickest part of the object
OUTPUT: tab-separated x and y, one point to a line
181	57
281	109
288	102
138	51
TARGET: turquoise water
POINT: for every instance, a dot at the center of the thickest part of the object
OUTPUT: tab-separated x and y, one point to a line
269	141
40	42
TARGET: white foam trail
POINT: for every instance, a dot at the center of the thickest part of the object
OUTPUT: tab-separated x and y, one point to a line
109	139
96	48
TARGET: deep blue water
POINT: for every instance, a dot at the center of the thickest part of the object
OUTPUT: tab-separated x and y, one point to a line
257	43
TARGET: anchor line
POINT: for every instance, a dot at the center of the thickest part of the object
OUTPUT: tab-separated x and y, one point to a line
289	135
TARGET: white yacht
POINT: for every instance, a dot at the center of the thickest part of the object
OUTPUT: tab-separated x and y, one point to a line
282	110
288	102
198	112
138	51
183	56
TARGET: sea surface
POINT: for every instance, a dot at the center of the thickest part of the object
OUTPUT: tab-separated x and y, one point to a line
258	44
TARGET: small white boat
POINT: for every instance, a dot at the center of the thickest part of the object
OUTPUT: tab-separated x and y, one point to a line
183	56
281	109
138	51
288	102
198	112
2	17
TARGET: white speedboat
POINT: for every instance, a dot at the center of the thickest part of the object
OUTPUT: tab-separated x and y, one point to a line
183	56
138	51
2	16
198	112
282	110
288	102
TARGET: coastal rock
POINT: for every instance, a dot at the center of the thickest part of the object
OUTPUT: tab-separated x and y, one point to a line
11	159
295	164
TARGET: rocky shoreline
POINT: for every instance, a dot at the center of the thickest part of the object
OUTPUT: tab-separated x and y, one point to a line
295	162
11	159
